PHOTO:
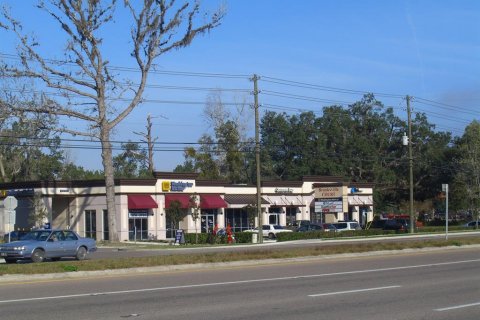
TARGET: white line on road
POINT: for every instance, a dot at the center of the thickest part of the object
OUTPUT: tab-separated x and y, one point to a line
459	307
310	276
351	291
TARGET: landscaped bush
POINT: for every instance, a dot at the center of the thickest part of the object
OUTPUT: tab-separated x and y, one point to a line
289	236
208	238
440	222
243	237
441	228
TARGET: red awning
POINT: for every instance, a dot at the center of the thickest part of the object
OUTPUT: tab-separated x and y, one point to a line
212	201
141	201
184	200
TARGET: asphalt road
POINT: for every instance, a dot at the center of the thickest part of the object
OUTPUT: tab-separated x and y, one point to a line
436	284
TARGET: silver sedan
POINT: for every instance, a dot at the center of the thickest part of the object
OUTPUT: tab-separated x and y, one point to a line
39	245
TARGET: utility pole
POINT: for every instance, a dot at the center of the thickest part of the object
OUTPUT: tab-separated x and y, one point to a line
410	165
257	159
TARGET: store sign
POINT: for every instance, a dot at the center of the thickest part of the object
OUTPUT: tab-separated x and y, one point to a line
17	192
283	190
176	186
329	192
328	206
141	213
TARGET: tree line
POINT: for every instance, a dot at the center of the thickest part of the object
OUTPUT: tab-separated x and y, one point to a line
361	143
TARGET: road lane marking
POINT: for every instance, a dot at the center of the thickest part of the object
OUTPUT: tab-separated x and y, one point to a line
351	291
241	281
458	307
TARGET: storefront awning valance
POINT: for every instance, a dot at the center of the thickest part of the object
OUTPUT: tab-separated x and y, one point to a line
289	200
184	200
275	200
141	201
358	200
243	199
212	201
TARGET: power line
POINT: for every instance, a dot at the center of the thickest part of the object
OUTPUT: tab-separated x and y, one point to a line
135	69
245	76
325	88
266	92
446	106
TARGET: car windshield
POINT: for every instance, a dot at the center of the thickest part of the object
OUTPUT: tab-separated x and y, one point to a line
278	227
39	235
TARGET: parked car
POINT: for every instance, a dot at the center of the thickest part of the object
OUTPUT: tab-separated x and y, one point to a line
14	236
399	225
346	225
472	224
329	227
298	224
377	224
42	244
270	230
310	227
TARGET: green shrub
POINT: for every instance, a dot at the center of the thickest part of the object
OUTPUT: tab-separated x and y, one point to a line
243	237
440	228
289	236
208	238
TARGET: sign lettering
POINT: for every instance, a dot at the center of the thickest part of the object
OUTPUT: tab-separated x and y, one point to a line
328	192
175	186
283	190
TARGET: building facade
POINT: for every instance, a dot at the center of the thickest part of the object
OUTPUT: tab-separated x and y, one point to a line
142	205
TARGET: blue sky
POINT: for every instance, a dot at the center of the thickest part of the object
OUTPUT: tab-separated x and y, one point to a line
427	48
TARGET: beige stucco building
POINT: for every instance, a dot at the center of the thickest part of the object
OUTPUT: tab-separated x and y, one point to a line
141	204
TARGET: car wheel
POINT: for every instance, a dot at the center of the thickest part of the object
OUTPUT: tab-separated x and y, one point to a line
271	236
7	260
81	253
38	255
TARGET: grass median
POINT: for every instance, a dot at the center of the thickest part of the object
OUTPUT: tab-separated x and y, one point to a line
261	253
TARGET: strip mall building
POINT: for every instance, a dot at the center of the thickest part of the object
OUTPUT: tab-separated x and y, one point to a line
141	204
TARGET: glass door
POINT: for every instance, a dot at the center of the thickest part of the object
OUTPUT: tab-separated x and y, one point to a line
137	229
208	220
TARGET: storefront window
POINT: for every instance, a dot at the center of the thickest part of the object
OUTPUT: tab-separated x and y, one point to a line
91	224
106	228
237	219
291	215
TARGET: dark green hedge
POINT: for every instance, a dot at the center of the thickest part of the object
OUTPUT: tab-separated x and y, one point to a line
246	237
208	238
289	236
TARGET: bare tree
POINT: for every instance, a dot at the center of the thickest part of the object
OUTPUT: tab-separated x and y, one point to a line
87	84
150	142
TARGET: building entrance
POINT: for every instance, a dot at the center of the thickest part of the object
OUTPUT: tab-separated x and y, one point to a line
138	225
208	220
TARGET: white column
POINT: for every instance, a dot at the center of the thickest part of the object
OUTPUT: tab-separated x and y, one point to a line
283	217
221	218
